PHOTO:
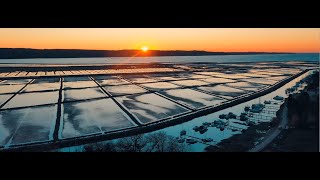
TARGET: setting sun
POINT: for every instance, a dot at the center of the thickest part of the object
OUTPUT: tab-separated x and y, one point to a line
144	48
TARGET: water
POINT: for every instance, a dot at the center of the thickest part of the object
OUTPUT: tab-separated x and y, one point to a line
215	133
246	86
91	117
169	59
81	94
150	107
124	89
32	99
192	98
32	124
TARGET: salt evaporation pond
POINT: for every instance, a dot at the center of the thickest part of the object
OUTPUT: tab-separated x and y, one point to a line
218	80
216	134
223	90
12	86
48	84
190	83
4	89
246	86
109	80
82	94
124	89
78	82
15	81
38	98
192	98
150	107
261	81
4	98
160	86
34	124
92	117
141	79
278	78
87	109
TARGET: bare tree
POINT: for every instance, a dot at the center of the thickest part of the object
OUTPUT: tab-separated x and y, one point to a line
175	146
161	142
100	147
131	144
154	142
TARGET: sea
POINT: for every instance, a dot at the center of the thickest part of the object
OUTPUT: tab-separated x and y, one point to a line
313	57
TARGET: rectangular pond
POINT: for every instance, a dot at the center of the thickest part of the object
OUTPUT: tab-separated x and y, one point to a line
78	82
290	71
15	81
189	75
170	78
210	73
10	88
32	99
141	79
217	80
278	78
4	98
254	75
192	98
223	90
198	76
124	89
48	84
246	86
109	80
261	81
90	117
150	107
190	83
27	124
160	86
81	94
270	73
232	76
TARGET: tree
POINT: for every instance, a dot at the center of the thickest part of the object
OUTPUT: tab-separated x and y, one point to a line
154	142
161	142
174	146
131	144
100	147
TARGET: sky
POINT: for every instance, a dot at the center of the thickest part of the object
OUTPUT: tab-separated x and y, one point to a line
208	39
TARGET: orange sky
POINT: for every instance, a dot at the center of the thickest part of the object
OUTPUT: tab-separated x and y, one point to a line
209	39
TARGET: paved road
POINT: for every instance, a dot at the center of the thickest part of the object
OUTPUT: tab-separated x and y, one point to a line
273	133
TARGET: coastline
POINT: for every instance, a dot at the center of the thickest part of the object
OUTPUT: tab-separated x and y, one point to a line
28	53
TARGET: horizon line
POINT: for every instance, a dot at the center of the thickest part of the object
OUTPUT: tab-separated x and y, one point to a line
158	50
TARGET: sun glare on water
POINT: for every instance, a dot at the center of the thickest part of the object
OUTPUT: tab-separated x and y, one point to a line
144	48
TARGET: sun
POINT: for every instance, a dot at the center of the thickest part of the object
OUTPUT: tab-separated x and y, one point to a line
144	48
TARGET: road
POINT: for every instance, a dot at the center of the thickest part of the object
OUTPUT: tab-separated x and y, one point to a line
273	133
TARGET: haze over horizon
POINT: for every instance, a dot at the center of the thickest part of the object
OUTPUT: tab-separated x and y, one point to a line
195	50
283	40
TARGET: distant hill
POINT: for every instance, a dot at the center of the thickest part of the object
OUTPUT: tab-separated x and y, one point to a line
23	53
